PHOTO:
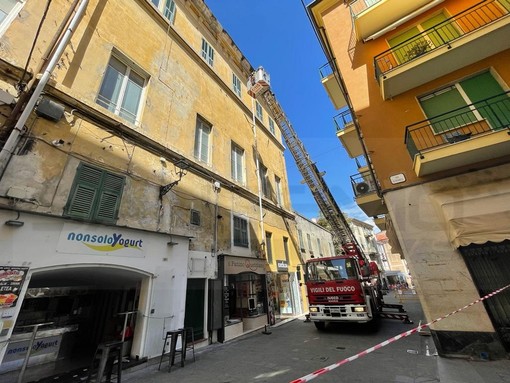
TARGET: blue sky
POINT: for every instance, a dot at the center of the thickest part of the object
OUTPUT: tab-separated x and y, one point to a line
278	35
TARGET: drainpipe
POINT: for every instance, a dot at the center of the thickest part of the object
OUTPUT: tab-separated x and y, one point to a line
19	128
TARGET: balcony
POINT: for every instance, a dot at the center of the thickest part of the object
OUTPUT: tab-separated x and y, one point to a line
372	16
380	222
365	192
332	86
464	136
346	132
468	37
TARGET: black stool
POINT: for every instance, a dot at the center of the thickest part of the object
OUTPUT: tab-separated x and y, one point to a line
173	337
107	353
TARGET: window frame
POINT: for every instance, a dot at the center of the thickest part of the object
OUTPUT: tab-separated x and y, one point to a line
195	217
92	192
11	16
278	190
259	112
237	153
117	103
301	241
242	239
202	129
269	247
207	52
264	180
286	249
236	85
167	8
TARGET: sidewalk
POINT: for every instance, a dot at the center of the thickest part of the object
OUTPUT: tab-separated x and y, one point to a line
467	371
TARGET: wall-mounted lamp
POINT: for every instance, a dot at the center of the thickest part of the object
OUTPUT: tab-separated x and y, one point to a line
181	167
15	222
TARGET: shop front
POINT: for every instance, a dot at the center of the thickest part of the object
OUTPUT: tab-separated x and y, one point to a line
245	306
95	285
284	291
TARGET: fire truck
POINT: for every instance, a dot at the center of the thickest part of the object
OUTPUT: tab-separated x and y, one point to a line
344	288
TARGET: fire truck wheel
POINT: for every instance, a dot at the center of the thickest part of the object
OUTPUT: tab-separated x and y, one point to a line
320	325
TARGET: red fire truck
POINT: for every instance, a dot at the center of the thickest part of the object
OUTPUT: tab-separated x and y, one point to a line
346	289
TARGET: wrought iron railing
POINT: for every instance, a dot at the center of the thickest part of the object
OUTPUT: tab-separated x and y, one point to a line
467	122
343	119
442	34
326	70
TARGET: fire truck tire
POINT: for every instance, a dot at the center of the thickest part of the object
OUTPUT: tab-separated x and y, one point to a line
320	325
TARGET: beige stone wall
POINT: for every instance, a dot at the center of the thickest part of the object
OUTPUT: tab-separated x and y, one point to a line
180	87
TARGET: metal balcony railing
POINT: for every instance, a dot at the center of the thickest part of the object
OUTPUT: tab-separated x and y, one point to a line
363	183
359	6
459	124
326	70
342	119
442	34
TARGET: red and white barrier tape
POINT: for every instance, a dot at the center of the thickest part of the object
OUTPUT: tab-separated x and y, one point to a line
324	370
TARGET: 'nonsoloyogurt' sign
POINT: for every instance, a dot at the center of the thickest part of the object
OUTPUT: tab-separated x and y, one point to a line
100	240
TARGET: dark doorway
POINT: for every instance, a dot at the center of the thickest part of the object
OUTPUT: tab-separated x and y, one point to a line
489	265
194	314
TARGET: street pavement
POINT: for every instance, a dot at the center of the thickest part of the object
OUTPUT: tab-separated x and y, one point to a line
295	349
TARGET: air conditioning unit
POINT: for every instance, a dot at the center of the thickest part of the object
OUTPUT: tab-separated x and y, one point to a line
362	188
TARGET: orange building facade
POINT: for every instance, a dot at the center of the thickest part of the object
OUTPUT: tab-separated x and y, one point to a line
422	90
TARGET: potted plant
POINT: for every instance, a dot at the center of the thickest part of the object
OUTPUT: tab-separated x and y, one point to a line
417	49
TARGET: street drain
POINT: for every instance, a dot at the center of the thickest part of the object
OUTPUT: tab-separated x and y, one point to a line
340	348
321	358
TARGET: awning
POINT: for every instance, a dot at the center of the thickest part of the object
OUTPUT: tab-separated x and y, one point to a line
476	214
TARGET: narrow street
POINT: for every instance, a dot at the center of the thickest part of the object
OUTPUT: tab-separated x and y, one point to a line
297	348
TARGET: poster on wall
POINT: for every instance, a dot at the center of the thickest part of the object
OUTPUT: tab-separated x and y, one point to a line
11	283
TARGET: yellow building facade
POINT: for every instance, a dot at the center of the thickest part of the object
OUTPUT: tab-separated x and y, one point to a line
129	163
422	93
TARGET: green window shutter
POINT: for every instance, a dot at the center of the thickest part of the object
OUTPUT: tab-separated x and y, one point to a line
401	53
109	199
95	195
442	34
483	87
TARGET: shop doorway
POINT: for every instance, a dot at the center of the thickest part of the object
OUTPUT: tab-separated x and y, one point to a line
489	265
83	307
195	306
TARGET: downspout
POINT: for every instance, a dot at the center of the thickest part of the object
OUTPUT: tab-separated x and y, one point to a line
11	143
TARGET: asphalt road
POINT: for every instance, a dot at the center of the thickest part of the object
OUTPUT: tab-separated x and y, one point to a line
296	348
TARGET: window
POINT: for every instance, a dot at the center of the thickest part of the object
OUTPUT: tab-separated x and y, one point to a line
264	182
271	126
258	111
269	247
202	134
95	195
236	85
300	238
121	91
195	217
445	103
319	246
237	163
286	249
420	38
167	8
309	239
240	231
207	52
9	9
331	249
278	190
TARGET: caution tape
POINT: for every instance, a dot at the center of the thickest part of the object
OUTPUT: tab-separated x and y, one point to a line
325	370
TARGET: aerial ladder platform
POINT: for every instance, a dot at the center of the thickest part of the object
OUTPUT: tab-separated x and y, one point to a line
259	86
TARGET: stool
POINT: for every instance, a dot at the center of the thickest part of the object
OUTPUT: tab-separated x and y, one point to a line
190	340
173	336
107	353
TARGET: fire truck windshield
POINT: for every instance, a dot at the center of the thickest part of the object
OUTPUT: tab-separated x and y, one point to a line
331	270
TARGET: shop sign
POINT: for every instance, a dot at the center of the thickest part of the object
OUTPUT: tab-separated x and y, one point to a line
85	239
236	265
11	282
18	350
282	265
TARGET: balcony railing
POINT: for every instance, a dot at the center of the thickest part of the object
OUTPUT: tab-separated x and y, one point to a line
442	34
362	183
342	119
359	6
460	124
326	70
